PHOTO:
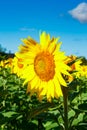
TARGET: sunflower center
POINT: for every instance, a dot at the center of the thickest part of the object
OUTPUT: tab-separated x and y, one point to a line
44	66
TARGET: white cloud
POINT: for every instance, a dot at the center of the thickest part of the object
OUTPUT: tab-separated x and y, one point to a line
80	12
27	29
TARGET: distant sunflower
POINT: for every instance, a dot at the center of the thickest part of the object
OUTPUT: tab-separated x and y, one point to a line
17	66
45	66
6	63
84	70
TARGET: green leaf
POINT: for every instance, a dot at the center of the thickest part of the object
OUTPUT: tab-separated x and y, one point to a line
40	109
78	120
50	125
71	114
9	114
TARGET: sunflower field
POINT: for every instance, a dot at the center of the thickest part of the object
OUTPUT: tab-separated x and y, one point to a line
43	89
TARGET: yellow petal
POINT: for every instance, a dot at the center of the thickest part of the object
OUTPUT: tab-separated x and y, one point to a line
58	91
44	40
57	47
60	78
34	82
52	46
51	88
28	73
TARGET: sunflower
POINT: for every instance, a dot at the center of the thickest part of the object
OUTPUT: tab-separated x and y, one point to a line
45	66
84	70
17	66
6	63
3	63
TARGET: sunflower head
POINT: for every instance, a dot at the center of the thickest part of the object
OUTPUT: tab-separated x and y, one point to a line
45	66
17	66
6	63
84	70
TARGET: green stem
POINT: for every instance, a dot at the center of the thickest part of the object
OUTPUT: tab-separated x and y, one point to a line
65	97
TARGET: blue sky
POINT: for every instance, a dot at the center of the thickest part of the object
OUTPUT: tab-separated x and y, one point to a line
64	18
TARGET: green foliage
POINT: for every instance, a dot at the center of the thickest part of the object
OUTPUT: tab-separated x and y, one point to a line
78	104
84	60
20	111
